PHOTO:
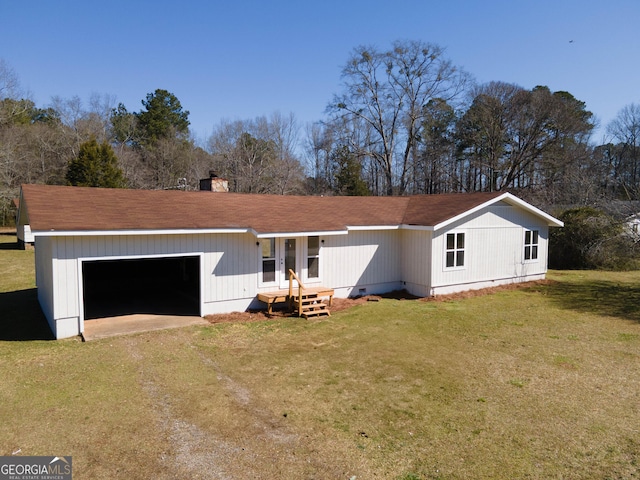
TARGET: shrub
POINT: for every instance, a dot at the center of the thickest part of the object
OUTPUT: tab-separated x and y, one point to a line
590	239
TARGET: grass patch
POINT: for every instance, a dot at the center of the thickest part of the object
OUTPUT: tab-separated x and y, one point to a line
628	337
536	382
518	382
20	314
602	292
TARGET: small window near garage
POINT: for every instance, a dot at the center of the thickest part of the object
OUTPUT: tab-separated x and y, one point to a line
268	247
530	245
455	250
313	257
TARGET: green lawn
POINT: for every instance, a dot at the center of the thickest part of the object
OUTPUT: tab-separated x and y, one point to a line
539	382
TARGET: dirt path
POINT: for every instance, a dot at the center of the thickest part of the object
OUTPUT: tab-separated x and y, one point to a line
266	448
195	453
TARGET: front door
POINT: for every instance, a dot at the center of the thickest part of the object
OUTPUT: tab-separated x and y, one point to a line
288	260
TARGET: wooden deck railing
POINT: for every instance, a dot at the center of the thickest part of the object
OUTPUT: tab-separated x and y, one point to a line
301	287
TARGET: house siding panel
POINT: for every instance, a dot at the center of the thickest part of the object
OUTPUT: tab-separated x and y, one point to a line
44	278
368	260
228	266
67	275
231	266
494	246
416	261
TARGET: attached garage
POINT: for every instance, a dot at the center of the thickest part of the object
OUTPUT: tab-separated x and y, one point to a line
161	286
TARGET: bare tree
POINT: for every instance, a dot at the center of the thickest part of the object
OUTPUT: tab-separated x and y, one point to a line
9	82
283	131
13	101
484	133
434	164
625	129
258	156
318	150
96	121
522	139
31	153
387	90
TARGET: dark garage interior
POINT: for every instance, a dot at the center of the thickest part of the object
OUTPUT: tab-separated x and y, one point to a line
161	286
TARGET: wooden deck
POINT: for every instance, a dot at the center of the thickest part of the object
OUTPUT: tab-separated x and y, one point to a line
281	296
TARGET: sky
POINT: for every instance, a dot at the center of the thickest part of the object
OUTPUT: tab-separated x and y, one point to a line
241	59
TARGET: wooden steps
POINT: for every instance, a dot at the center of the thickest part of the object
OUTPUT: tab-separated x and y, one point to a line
315	301
311	305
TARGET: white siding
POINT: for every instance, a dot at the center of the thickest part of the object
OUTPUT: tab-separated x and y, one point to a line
362	262
23	229
44	278
24	234
228	264
416	261
65	268
494	250
230	267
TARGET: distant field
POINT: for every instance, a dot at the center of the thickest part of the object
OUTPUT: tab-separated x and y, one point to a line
539	382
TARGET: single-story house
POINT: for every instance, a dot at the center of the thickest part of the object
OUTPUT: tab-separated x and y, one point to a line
99	251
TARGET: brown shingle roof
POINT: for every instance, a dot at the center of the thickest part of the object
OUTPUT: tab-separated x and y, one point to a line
430	210
61	208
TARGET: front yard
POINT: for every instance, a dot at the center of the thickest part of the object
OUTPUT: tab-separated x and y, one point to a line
535	382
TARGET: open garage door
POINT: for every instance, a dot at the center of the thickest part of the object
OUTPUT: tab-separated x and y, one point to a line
161	286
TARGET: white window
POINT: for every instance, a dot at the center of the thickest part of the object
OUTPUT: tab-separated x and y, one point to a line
454	250
313	257
530	245
268	249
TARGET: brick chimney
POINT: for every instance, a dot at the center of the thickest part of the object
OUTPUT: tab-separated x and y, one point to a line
214	183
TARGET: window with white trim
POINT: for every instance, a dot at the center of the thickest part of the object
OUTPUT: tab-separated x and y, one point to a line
454	250
313	257
530	245
268	249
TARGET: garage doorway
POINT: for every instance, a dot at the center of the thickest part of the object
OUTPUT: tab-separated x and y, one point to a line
159	286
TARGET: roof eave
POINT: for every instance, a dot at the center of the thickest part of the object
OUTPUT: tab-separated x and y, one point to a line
551	221
349	228
106	233
319	233
356	228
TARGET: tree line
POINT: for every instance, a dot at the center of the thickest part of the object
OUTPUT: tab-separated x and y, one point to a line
406	121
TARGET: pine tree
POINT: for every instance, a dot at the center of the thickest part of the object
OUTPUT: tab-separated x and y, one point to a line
163	117
95	166
348	177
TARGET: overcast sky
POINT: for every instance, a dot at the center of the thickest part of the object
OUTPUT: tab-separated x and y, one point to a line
241	59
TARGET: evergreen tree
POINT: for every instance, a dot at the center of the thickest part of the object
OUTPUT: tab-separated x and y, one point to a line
95	166
348	177
163	117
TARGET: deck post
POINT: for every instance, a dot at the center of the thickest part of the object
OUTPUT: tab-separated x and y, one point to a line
301	287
